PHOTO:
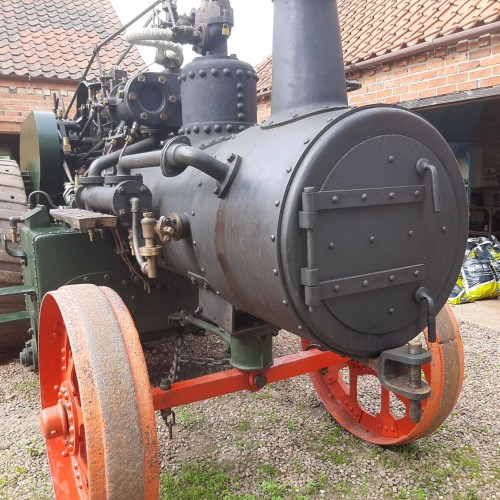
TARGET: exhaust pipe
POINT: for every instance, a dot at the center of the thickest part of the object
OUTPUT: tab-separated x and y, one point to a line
308	67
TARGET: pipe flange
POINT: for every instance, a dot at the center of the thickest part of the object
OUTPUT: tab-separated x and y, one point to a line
169	168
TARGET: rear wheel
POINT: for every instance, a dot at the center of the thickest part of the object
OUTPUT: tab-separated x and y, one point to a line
97	409
12	203
353	395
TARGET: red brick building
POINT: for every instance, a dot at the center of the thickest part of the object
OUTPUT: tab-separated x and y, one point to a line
440	59
44	49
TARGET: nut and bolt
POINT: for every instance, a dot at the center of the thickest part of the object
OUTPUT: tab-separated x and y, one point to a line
172	99
121	190
132	97
143	189
163	116
162	79
141	78
144	116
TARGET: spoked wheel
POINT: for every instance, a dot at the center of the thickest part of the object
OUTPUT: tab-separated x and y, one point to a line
352	394
97	410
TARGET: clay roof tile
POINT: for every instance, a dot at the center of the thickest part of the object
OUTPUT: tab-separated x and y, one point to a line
54	39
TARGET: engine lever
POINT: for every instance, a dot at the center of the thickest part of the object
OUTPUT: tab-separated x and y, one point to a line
424	165
422	294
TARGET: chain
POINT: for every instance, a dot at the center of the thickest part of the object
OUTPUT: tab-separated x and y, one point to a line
221	363
166	383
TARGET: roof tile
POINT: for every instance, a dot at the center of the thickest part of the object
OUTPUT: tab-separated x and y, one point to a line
54	39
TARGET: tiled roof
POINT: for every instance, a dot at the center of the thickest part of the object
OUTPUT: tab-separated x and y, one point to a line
55	39
374	27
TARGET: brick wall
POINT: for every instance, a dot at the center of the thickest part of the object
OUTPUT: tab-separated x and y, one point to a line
20	96
471	64
263	108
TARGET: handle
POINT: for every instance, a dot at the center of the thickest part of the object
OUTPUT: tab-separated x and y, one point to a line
423	166
422	294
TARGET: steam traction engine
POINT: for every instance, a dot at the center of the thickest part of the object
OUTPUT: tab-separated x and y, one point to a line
343	226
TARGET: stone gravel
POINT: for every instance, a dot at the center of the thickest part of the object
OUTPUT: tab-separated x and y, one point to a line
281	442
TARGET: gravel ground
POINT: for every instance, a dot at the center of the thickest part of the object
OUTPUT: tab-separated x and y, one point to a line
281	442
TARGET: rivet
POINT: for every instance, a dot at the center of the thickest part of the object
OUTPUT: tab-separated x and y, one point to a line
202	73
214	72
391	159
241	117
392	277
240	106
288	170
391	196
277	203
285	302
206	129
249	74
275	272
444	229
217	128
336	288
226	72
391	310
184	77
188	130
241	128
372	239
203	270
335	199
191	74
196	129
365	283
200	183
240	86
364	197
239	73
240	97
307	141
410	233
273	238
417	273
193	213
417	194
229	128
331	245
86	279
300	328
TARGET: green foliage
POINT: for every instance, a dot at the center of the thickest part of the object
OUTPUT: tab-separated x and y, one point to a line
243	426
33	449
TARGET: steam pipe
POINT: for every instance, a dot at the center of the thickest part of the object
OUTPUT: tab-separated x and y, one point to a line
101	164
308	71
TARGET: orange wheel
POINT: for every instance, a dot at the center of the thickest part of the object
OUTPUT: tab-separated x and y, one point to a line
97	410
351	392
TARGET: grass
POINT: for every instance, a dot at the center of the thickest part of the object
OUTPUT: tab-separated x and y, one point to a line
26	387
243	426
196	480
188	418
33	449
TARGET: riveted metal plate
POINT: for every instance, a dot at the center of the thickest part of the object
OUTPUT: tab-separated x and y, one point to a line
363	283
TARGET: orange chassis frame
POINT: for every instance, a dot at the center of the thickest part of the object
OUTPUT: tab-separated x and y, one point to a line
233	380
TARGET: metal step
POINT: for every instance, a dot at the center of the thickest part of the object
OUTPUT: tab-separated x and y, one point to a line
13	317
11	291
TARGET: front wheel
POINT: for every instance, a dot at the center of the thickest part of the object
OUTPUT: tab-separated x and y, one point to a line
353	395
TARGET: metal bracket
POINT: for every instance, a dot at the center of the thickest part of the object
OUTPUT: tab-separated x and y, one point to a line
233	162
422	294
423	166
17	254
393	370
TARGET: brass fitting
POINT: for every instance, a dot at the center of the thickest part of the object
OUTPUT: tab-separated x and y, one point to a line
149	251
169	228
66	144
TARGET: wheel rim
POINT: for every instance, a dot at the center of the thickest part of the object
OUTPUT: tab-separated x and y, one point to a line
97	410
372	416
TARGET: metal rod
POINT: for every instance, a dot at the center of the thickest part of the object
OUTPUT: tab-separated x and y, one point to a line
204	325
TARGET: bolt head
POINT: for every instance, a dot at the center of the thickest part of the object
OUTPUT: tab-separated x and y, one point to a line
162	79
141	78
132	97
144	116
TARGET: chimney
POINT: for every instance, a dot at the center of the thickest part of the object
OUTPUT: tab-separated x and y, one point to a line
308	68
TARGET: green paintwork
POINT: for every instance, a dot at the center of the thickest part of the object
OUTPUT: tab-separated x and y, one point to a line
252	353
11	291
13	317
41	153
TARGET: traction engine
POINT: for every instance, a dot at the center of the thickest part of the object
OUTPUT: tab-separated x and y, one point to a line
162	208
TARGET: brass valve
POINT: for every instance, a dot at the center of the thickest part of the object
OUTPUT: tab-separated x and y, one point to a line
149	251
